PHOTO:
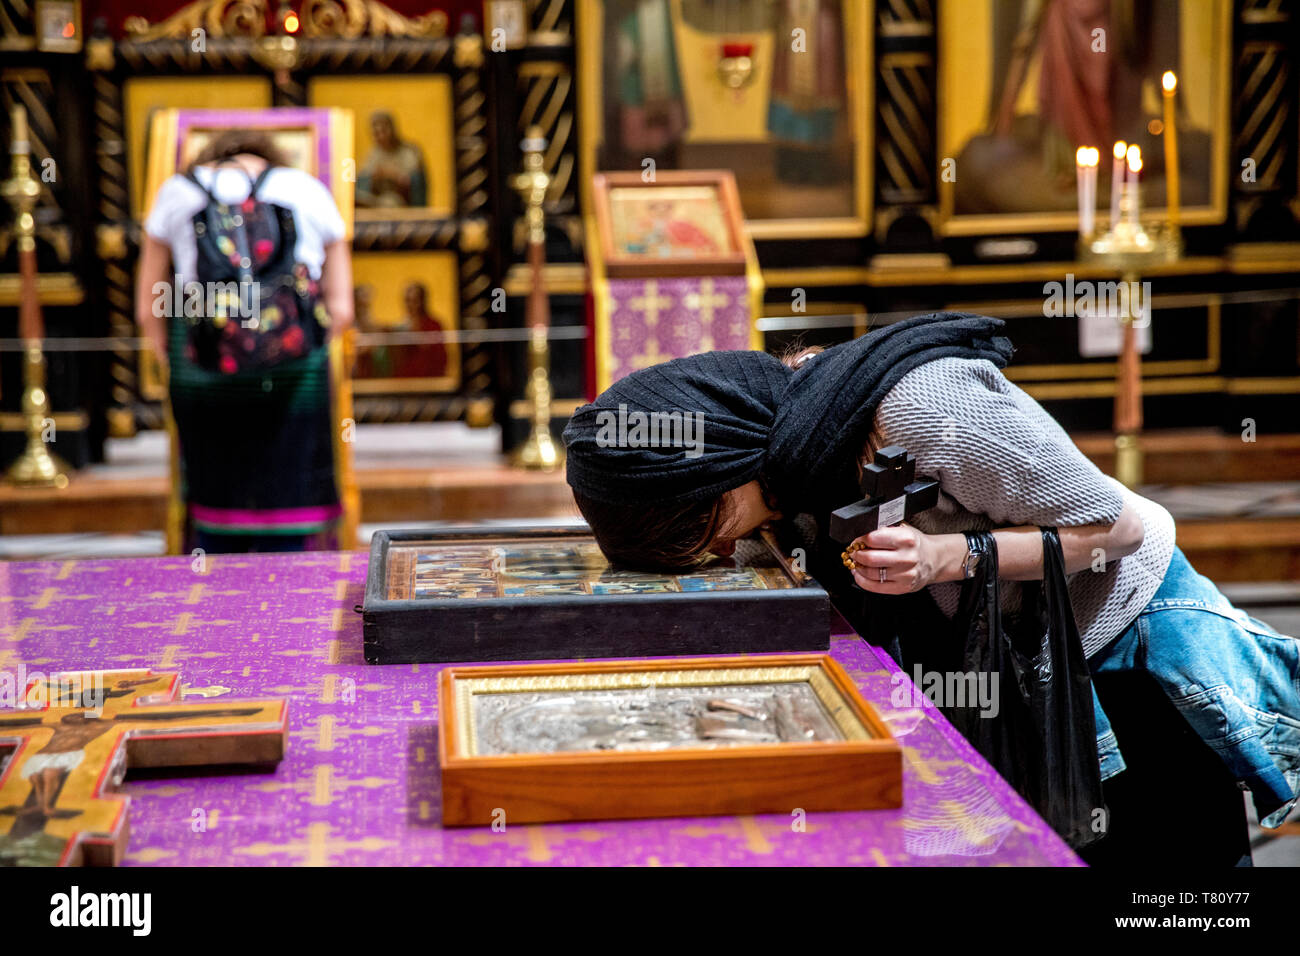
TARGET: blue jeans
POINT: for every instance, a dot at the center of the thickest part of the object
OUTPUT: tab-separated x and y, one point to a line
1234	679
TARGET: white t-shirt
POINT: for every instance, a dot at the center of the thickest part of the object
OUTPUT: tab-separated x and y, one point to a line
171	220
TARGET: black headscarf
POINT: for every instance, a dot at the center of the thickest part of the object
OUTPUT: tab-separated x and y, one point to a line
801	430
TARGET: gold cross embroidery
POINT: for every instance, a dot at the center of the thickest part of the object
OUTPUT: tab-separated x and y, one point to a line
651	355
650	303
705	301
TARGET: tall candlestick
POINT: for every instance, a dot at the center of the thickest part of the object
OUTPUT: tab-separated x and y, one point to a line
1117	181
1170	84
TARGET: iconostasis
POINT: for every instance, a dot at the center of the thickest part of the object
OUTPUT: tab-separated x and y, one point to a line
888	157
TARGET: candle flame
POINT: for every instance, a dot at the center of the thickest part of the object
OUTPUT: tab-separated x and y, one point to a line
1135	164
1120	148
1081	156
1169	81
1134	154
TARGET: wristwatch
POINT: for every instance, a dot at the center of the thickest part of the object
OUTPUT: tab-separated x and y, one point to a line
973	556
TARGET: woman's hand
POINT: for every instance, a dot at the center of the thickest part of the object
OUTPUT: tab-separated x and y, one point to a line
910	559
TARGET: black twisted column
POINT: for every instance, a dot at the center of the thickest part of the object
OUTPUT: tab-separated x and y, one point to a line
472	208
906	163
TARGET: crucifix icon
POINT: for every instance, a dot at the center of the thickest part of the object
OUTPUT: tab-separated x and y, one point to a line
890	494
76	734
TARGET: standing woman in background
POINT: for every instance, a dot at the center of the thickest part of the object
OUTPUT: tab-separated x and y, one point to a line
257	467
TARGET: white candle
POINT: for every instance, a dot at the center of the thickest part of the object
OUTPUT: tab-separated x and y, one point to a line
1117	181
1091	182
1169	83
1134	168
1081	185
1086	160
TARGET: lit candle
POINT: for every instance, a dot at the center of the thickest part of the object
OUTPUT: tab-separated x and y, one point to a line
1170	83
1081	185
1134	168
1117	181
1086	159
18	127
1094	165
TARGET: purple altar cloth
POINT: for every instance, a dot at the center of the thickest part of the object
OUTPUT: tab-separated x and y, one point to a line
360	782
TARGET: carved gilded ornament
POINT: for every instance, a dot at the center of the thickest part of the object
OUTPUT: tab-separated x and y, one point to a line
469	51
347	19
217	18
99	54
110	242
473	235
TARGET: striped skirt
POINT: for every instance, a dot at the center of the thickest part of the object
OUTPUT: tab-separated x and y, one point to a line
254	453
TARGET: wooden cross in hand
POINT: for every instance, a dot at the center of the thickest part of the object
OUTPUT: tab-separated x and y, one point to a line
890	495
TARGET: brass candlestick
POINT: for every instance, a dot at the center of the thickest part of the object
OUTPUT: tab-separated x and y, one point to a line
35	467
1129	247
540	451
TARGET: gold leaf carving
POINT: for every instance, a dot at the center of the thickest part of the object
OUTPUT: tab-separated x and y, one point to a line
350	19
218	18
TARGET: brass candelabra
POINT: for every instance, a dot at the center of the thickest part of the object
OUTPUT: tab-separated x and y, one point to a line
539	451
35	467
1129	248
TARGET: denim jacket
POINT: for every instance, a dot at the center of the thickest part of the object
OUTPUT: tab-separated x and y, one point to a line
1234	679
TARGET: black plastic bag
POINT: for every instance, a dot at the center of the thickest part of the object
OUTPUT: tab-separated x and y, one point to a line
1043	739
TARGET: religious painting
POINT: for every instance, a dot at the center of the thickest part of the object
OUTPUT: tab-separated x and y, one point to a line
680	224
758	734
507	20
404	166
449	596
317	141
145	97
576	567
407	313
1023	84
297	144
779	91
72	738
58	26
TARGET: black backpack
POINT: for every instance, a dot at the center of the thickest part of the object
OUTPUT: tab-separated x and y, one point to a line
261	307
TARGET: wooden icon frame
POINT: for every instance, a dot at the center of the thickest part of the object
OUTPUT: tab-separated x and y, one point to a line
401	627
618	264
860	772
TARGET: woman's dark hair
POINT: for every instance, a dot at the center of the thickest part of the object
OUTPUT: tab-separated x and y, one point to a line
234	142
647	537
644	537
